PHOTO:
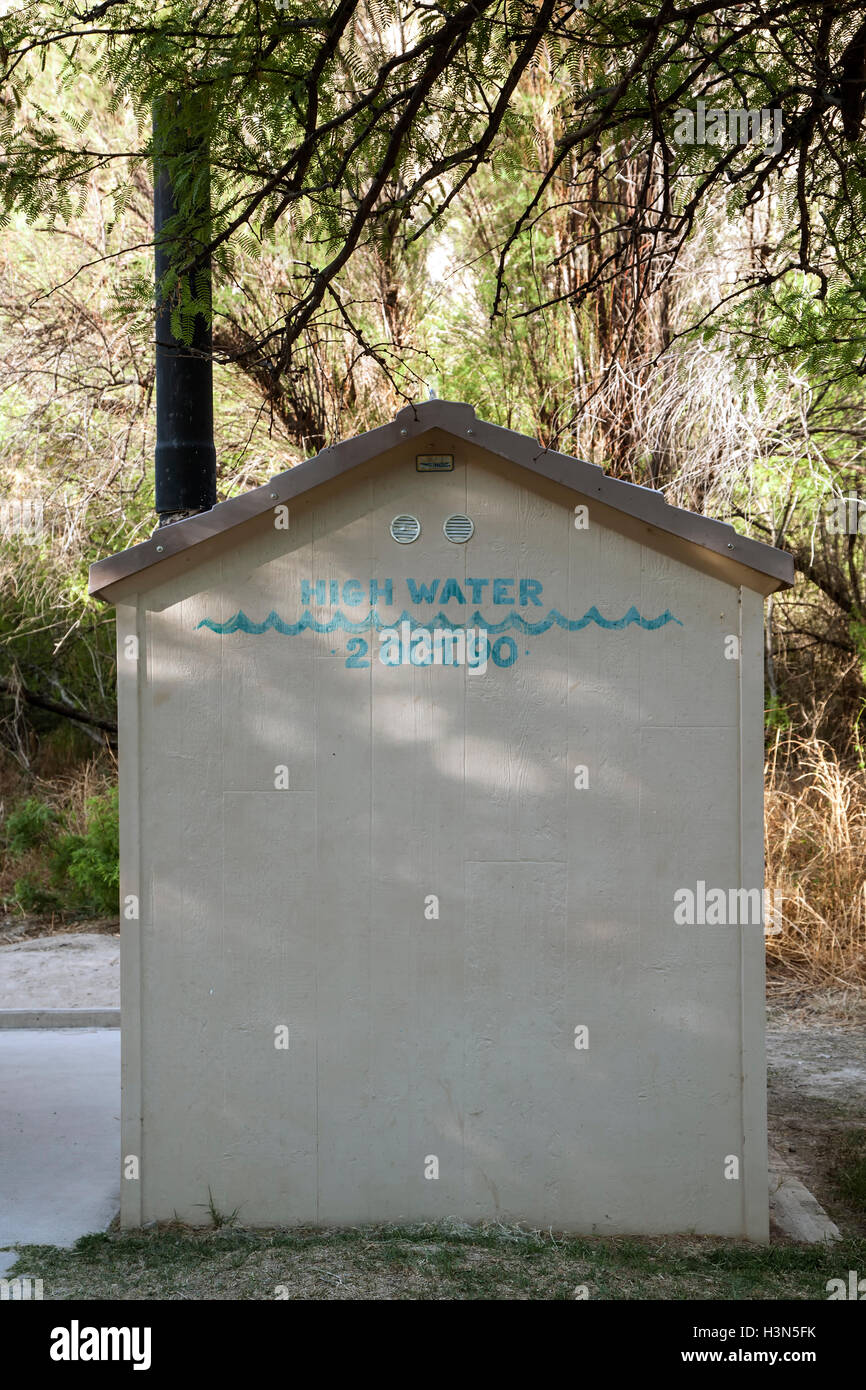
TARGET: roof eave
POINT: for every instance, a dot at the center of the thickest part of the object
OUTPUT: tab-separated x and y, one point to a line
455	418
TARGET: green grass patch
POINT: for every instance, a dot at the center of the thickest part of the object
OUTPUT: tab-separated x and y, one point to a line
433	1261
850	1173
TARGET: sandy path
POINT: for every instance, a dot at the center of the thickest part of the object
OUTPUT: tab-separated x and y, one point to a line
820	1063
77	970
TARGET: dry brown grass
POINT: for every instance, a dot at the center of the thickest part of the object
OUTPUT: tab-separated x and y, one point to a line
816	858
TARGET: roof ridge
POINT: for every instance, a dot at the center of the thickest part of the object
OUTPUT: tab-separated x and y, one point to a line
459	419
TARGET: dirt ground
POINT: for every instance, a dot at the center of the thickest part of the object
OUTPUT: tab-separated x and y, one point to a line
64	969
816	1093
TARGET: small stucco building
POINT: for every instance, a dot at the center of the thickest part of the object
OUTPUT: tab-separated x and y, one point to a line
441	844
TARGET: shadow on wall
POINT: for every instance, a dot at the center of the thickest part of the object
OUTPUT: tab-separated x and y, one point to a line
474	955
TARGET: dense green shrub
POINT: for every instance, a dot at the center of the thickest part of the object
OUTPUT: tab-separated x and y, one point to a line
29	826
76	872
90	861
32	896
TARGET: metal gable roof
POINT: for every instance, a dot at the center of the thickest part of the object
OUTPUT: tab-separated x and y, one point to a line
456	418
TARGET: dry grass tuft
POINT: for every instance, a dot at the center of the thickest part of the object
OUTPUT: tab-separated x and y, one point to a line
816	858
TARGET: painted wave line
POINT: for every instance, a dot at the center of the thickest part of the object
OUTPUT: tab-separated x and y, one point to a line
339	622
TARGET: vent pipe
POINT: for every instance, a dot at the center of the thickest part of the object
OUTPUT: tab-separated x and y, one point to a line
185	457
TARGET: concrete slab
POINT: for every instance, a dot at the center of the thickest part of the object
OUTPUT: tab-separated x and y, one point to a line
60	1136
59	1018
798	1213
794	1209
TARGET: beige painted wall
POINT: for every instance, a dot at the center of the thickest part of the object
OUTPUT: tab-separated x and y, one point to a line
454	1038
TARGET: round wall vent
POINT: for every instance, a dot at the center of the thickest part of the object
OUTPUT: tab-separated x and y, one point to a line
458	529
405	529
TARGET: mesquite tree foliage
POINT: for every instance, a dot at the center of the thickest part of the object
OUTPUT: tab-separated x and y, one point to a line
352	119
